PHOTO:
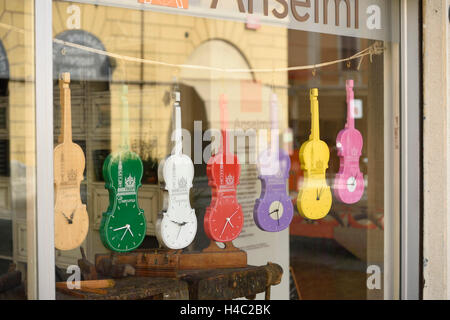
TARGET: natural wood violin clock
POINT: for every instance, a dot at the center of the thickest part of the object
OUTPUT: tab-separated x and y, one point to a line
314	199
176	226
71	218
123	225
223	218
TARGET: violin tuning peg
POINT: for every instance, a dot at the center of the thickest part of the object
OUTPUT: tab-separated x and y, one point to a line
65	77
349	83
314	92
177	96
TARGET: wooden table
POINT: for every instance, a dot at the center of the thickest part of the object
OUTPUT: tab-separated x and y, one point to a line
217	284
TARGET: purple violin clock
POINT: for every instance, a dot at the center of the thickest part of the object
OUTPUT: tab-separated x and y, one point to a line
273	211
349	182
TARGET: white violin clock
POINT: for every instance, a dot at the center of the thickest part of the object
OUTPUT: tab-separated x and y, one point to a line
176	226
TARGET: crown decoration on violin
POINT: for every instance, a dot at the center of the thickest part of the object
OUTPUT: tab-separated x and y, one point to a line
130	182
72	175
182	183
229	180
319	164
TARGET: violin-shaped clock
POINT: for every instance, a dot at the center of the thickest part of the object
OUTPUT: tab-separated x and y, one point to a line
123	225
349	182
71	218
273	211
223	218
314	199
176	226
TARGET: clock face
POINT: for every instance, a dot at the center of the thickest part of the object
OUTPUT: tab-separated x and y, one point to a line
226	224
315	202
276	210
273	215
351	184
175	234
124	233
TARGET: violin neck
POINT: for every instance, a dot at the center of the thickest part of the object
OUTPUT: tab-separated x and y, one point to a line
315	127
224	147
66	112
125	124
177	125
350	105
274	122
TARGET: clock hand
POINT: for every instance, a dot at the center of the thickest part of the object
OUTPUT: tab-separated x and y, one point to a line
124	234
233	214
226	223
354	181
321	191
120	228
229	219
129	229
68	220
178	223
179	231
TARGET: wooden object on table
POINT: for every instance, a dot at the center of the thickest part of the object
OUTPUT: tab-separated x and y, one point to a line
79	292
73	293
136	288
87	268
110	267
10	280
90	284
71	218
214	257
160	263
11	285
167	263
226	284
295	288
221	284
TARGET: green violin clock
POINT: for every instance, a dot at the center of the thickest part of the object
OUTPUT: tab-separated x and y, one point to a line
123	225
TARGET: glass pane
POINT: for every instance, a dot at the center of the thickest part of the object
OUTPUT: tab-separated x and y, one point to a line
17	150
127	66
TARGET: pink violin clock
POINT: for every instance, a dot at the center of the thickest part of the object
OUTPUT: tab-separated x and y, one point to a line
273	211
349	182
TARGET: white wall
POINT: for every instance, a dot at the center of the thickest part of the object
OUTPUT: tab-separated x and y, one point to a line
436	165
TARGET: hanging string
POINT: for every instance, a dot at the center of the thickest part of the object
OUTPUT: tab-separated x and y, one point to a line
375	49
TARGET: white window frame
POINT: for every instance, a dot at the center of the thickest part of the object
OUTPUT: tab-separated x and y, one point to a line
402	259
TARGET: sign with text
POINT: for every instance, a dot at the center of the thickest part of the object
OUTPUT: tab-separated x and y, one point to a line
370	19
180	4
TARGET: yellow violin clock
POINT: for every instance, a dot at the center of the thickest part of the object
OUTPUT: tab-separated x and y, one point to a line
314	199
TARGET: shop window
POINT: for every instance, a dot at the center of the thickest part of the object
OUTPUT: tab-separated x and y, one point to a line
156	54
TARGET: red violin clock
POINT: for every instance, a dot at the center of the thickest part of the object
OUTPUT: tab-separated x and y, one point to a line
223	218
